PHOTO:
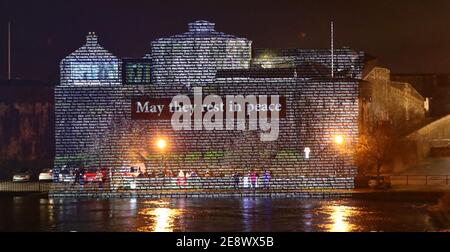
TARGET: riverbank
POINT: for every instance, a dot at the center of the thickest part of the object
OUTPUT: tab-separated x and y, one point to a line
33	213
373	195
403	192
95	191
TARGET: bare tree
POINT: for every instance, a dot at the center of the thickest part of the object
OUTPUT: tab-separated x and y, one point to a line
375	149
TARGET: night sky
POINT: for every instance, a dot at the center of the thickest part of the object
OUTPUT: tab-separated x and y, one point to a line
408	36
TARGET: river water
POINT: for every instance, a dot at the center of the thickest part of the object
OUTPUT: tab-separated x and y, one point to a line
35	213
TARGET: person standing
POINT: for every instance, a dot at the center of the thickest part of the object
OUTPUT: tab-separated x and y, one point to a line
77	176
181	178
99	178
247	180
195	179
266	179
81	171
253	178
236	180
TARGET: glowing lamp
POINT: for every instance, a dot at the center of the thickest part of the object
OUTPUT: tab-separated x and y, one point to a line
161	144
339	139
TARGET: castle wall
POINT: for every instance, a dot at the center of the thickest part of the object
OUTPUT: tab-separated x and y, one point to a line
94	124
385	100
194	57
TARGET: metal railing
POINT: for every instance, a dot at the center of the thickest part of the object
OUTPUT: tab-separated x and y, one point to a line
212	183
420	179
24	187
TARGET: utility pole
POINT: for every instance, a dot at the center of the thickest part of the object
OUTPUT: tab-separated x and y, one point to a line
9	50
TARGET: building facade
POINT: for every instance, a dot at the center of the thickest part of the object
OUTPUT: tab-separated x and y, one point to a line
95	127
435	87
383	99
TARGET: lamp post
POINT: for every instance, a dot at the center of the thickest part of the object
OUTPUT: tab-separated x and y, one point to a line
339	141
161	144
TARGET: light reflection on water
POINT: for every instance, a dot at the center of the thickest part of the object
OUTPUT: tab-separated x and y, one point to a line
208	215
158	217
339	216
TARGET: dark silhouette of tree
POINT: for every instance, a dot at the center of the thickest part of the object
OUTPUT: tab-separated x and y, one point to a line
375	149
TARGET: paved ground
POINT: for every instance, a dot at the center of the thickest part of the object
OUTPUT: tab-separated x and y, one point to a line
431	166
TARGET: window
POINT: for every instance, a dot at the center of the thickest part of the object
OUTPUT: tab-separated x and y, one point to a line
93	71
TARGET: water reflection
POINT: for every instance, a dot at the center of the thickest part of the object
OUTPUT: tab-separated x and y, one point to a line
248	205
133	203
164	218
339	217
46	208
246	214
159	217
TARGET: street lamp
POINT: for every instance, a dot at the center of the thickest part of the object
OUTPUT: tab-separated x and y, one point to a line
339	142
161	144
339	139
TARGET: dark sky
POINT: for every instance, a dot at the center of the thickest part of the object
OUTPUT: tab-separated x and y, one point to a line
407	36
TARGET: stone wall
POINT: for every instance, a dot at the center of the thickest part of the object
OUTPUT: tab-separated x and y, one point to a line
194	56
94	125
436	87
421	139
347	63
91	64
385	100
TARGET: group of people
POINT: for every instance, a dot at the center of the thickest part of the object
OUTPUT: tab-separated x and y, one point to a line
183	177
170	174
251	180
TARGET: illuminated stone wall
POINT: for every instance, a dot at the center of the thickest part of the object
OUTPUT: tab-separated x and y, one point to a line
90	64
192	58
94	126
312	63
436	87
385	100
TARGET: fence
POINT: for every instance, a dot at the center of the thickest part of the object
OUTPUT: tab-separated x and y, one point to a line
210	183
420	179
205	187
24	187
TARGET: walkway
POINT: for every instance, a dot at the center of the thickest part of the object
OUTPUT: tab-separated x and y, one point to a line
429	166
